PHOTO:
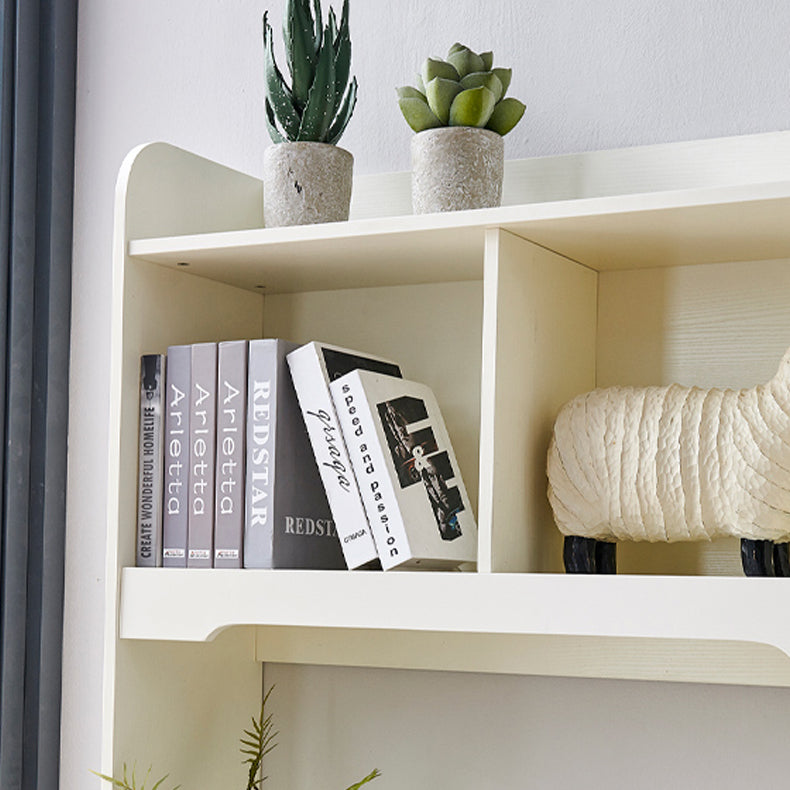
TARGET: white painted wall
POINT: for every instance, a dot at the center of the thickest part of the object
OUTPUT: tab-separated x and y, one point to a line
594	74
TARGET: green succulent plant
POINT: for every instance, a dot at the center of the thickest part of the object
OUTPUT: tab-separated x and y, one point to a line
463	90
319	102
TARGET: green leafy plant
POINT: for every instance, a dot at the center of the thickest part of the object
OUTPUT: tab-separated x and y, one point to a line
319	102
463	90
256	743
126	782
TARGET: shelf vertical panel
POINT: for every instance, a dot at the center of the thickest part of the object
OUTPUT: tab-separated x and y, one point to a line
539	345
162	190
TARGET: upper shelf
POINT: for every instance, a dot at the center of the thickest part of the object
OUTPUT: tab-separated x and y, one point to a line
670	228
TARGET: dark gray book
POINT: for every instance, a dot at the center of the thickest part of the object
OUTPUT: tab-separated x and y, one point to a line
202	437
231	430
288	522
149	478
176	458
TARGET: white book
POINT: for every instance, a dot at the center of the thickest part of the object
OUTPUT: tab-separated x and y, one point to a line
313	366
407	472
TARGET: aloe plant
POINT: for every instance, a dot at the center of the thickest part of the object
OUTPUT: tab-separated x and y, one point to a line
463	90
319	101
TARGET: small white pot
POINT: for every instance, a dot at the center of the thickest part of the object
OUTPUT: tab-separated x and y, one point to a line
305	183
455	168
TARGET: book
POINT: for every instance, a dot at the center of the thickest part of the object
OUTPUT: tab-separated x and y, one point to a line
407	472
176	458
288	523
202	437
313	366
231	431
149	478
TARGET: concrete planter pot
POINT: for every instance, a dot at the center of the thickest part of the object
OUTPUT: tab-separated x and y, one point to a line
455	168
305	183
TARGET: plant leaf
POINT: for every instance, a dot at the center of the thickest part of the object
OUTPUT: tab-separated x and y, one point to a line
318	25
488	60
278	94
298	32
440	94
472	107
342	56
437	68
320	107
485	78
407	92
466	61
505	116
505	75
344	114
369	778
418	114
271	126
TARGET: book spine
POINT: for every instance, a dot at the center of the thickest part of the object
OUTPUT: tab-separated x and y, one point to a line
262	383
202	427
229	481
176	455
368	461
331	455
149	481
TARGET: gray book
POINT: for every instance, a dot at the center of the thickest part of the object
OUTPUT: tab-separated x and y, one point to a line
149	478
176	455
202	436
288	523
229	479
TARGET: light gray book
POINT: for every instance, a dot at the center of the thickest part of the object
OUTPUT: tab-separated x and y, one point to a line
176	458
149	478
202	437
231	430
312	367
288	523
407	472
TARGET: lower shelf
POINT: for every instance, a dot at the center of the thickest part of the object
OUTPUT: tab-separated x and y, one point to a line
704	629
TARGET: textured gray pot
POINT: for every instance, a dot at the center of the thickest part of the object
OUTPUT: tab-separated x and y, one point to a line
456	167
306	182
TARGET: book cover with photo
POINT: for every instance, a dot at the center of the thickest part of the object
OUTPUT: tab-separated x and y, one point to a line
149	478
313	366
408	475
288	522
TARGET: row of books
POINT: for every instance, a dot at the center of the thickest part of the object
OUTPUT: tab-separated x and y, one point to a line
269	454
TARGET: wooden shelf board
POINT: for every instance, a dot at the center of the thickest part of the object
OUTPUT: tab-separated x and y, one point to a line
738	223
195	605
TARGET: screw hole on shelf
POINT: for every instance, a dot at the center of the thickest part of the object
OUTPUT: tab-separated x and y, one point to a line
261	287
183	263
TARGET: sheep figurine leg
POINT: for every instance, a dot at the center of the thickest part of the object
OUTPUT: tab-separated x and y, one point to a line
674	464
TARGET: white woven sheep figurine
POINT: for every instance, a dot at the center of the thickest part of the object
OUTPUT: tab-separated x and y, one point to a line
674	464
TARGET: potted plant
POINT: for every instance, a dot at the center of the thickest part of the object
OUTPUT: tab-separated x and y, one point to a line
306	177
460	113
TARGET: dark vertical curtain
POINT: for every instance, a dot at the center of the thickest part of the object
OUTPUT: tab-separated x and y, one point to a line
38	58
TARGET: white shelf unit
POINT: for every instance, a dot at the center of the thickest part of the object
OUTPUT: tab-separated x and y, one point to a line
506	313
